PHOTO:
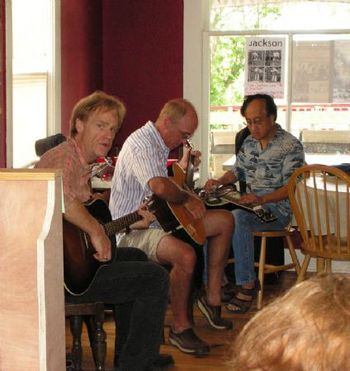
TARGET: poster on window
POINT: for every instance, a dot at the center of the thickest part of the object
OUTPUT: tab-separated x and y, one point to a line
311	71
264	69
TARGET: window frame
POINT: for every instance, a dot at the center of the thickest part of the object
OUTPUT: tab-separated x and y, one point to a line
196	32
53	124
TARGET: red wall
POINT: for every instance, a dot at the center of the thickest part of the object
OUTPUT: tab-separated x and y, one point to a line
129	48
142	56
81	56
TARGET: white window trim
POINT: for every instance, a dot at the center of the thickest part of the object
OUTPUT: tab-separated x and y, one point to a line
196	67
54	78
9	128
195	87
195	72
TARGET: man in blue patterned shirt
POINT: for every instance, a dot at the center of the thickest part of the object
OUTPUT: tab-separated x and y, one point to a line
265	161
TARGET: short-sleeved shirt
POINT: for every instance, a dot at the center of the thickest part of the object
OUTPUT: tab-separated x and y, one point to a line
266	170
142	157
76	171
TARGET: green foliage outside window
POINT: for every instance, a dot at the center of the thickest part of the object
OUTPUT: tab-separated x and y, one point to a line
227	66
228	52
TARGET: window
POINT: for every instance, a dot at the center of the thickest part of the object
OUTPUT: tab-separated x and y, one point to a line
33	77
314	103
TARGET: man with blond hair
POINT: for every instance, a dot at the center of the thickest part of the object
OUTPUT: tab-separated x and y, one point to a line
95	121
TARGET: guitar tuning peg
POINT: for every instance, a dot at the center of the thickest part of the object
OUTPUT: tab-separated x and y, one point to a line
148	201
189	143
109	162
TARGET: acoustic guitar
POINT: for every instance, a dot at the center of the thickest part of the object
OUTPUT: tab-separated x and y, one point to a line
80	266
175	218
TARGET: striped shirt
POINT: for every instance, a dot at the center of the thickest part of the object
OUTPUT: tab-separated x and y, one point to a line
142	157
266	170
75	171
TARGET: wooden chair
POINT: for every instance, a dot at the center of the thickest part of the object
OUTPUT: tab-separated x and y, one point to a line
239	139
264	268
44	144
320	201
93	314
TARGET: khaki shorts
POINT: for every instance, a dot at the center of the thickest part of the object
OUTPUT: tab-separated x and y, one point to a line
146	240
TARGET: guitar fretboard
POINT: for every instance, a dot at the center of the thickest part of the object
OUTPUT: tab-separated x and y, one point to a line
118	225
233	198
265	215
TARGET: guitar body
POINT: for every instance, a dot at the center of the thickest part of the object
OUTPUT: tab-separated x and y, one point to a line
80	266
175	218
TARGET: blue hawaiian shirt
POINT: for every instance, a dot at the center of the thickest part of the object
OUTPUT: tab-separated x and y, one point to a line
266	170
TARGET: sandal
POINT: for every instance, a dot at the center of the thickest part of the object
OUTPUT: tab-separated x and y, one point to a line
228	292
238	305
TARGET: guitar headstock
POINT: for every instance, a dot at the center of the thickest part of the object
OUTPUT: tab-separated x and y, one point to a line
148	203
189	144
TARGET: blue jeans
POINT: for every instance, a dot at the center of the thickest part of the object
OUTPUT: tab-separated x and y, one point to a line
243	241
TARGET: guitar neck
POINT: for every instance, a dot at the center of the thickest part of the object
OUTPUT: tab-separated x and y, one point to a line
234	200
264	215
184	177
118	225
190	167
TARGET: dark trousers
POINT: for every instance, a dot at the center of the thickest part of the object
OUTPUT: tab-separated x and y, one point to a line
138	290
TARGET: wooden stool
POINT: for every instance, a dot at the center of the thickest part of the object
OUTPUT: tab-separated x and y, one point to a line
269	268
94	316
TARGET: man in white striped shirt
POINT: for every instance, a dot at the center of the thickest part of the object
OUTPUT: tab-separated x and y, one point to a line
141	171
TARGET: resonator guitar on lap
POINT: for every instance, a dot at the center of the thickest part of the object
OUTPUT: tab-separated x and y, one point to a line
229	196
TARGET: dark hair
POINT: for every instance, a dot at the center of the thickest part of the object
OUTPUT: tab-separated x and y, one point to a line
271	108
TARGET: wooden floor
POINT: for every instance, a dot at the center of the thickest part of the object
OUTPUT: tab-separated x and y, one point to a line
219	340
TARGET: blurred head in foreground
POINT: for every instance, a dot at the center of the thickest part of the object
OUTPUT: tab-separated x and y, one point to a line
307	329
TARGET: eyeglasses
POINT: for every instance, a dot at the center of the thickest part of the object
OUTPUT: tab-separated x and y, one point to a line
258	121
184	134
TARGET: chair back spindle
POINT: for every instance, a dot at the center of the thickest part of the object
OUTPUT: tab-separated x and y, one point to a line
320	200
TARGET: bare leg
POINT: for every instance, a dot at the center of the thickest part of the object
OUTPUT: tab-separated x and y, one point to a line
182	258
219	229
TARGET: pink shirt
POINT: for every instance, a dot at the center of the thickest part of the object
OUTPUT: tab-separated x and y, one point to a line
75	170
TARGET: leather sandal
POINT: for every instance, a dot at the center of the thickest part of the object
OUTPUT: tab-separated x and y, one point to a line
239	305
228	291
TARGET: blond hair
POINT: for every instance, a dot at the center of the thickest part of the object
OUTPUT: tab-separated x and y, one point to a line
307	329
93	102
